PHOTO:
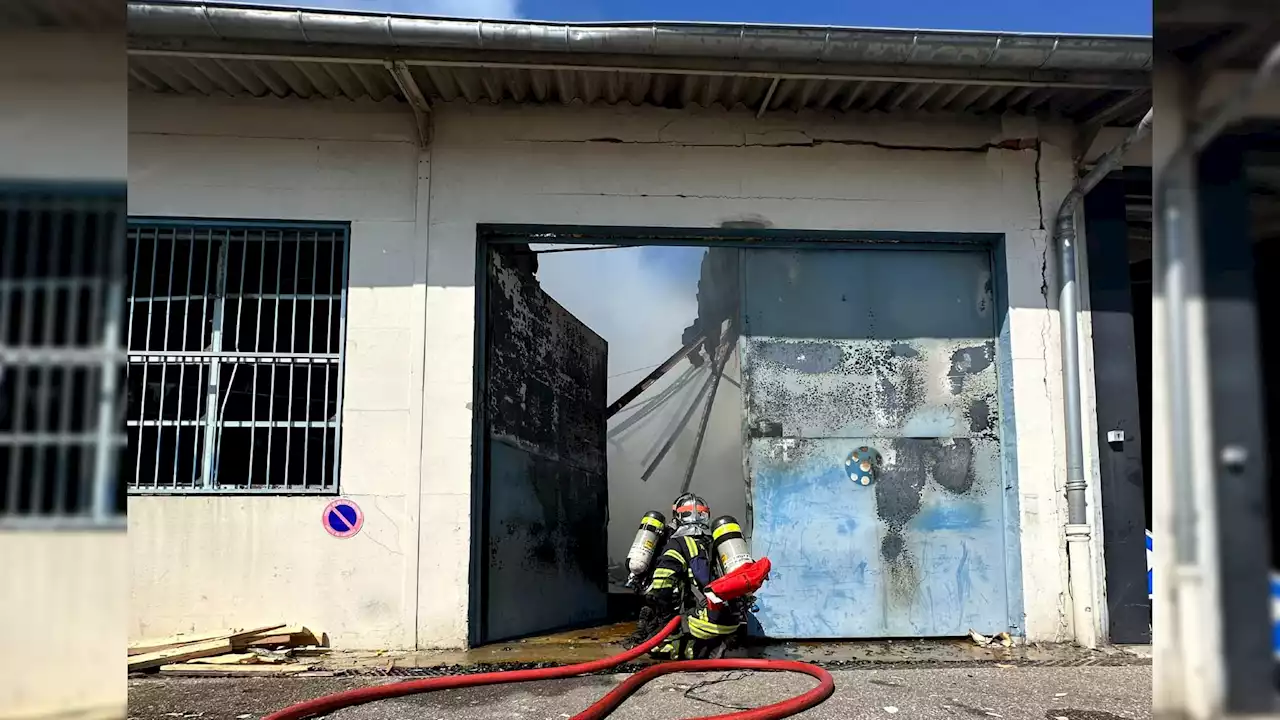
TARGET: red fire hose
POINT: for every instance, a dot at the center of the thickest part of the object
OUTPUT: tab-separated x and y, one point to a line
600	708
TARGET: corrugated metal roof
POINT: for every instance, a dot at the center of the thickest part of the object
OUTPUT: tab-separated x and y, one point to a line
219	49
353	81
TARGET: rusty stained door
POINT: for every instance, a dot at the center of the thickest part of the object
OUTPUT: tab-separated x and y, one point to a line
546	496
891	351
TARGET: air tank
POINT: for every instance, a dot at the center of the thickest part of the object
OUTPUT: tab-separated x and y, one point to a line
645	545
728	544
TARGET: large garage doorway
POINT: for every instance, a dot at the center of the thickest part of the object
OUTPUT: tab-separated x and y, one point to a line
787	359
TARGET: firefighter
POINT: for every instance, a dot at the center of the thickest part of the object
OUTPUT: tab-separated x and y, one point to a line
678	586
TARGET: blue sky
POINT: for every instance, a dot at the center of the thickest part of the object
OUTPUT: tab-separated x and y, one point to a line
1121	17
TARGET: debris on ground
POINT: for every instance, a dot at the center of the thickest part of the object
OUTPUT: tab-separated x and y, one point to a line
981	640
264	650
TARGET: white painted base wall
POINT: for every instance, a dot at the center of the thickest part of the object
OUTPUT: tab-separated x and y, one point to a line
402	581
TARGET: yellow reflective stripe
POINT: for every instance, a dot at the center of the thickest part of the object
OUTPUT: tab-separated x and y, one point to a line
650	521
691	545
704	629
663	573
661	584
726	528
699	633
674	553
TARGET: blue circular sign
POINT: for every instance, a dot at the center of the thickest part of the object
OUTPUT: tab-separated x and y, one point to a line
342	518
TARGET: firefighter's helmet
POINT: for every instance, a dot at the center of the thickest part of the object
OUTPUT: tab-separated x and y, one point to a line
691	515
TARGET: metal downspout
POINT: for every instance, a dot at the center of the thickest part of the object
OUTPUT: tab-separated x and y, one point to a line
1080	565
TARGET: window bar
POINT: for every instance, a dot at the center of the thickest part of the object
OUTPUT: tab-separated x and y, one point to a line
146	341
44	394
133	292
209	469
7	271
342	335
10	273
22	371
98	259
104	468
164	366
275	336
293	366
311	348
182	368
328	346
257	340
202	392
76	271
235	344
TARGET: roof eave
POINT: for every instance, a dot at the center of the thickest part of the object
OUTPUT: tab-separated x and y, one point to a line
165	26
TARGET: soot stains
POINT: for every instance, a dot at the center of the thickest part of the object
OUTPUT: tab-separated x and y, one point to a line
969	361
892	545
546	379
834	385
806	357
979	416
901	484
953	465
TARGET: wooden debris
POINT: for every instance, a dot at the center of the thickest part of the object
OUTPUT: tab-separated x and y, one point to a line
268	649
233	670
236	635
180	654
268	641
229	659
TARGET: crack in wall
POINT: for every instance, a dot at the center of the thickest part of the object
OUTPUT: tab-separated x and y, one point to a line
1044	256
808	142
692	196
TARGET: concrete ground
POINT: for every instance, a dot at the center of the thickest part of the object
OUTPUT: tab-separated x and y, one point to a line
577	646
989	691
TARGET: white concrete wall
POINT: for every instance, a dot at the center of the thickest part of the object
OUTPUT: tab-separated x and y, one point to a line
62	116
413	279
64	594
210	562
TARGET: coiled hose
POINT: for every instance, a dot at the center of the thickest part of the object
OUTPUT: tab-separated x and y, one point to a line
600	708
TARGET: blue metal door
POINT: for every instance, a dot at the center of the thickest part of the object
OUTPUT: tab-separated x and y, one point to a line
873	442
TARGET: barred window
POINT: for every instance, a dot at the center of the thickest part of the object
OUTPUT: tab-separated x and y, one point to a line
235	341
61	311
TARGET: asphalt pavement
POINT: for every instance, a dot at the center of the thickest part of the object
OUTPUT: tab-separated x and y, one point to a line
1052	693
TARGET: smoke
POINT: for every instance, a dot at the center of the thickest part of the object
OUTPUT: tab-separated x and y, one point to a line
640	300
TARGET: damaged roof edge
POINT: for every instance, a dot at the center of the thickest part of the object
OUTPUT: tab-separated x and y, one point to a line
176	25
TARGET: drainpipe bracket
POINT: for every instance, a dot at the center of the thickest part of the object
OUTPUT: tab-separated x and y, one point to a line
1078	533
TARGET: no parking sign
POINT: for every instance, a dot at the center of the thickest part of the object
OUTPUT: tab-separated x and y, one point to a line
1149	589
342	518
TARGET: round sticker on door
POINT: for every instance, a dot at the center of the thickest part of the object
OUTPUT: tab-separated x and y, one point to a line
342	518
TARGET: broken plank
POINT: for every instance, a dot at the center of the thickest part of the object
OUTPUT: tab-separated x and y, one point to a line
233	670
268	641
156	644
228	659
294	635
180	654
